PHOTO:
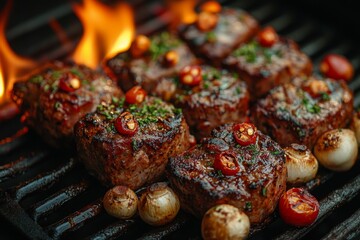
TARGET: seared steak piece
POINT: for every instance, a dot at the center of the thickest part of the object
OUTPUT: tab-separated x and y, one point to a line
264	68
132	160
55	98
233	28
255	188
220	98
300	111
148	69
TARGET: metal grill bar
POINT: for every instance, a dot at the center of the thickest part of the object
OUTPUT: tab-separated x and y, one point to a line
91	222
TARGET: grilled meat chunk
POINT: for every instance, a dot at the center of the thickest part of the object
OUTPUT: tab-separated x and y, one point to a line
132	160
300	111
233	28
220	98
255	189
55	98
149	69
264	68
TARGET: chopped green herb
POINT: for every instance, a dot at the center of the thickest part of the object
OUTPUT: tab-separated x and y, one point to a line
76	72
276	152
249	51
135	145
177	111
325	97
235	75
311	108
36	79
210	36
238	90
264	191
57	105
219	172
161	44
56	75
46	87
248	206
206	85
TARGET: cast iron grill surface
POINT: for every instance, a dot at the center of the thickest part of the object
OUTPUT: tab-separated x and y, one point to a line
47	194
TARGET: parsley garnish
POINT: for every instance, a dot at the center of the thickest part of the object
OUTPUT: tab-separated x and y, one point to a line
219	172
210	36
36	79
57	105
161	44
76	72
264	191
325	97
149	113
249	51
311	108
248	206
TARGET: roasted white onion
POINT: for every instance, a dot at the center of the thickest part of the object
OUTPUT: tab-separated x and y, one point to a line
120	202
337	149
301	164
355	126
158	205
225	222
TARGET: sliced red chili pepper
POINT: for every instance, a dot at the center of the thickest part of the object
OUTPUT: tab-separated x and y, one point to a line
126	124
227	163
267	37
245	133
69	83
298	207
135	95
191	75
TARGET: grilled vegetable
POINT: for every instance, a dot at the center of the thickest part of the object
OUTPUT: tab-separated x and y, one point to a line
337	149
191	75
158	205
267	37
301	164
120	202
225	222
245	133
337	67
135	95
298	207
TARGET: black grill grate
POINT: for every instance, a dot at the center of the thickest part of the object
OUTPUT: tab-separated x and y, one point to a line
47	194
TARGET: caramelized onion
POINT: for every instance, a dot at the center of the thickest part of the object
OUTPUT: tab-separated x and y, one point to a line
337	149
301	164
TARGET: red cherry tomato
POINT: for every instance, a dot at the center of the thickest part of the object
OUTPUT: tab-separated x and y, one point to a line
337	67
69	83
267	37
245	133
298	207
135	95
227	163
191	75
126	124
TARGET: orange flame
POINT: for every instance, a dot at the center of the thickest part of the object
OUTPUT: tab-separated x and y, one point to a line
182	11
107	30
12	66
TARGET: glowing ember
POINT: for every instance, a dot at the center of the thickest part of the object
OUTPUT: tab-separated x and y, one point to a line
12	66
107	30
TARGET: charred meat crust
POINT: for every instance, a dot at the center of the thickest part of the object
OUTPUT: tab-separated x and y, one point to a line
52	112
221	98
234	27
149	69
289	114
255	189
133	161
265	68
